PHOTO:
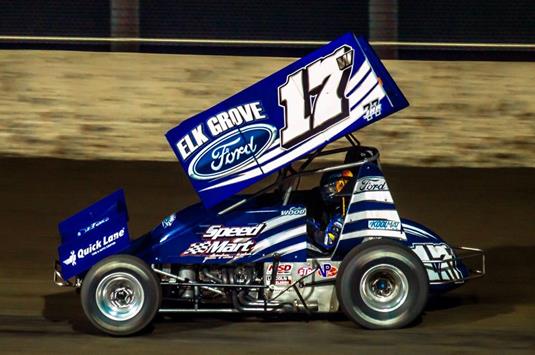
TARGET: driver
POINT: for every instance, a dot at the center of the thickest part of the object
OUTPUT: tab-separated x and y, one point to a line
331	185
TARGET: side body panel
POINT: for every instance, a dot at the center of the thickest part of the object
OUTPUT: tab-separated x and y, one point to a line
92	234
254	235
324	295
436	255
371	212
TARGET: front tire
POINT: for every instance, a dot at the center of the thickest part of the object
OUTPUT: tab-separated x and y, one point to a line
382	285
120	295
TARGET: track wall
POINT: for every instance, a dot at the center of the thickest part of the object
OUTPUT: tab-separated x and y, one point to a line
85	105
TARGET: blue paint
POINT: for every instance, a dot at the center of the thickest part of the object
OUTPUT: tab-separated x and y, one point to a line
94	233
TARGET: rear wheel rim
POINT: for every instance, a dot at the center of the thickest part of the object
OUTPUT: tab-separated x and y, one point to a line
384	288
119	296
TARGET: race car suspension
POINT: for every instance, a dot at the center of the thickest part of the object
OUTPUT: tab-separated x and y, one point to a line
239	302
187	283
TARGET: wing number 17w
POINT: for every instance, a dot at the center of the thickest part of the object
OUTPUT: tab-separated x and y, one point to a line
313	97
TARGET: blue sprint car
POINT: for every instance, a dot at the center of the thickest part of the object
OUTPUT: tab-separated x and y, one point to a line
321	235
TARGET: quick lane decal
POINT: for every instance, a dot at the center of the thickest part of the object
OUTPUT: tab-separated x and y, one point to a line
95	247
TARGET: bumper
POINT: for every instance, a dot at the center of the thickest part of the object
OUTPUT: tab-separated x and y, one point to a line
468	264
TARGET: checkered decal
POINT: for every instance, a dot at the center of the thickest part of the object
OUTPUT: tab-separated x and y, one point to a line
218	246
197	248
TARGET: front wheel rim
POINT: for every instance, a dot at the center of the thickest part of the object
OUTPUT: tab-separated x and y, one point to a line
119	296
384	288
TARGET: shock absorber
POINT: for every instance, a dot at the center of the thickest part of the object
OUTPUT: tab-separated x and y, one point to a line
188	274
275	268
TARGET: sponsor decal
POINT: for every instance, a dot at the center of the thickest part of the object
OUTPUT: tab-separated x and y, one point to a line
371	184
326	270
438	252
372	110
280	280
92	226
312	97
225	242
281	269
71	260
305	270
217	231
218	124
433	251
232	151
294	211
168	221
383	224
95	247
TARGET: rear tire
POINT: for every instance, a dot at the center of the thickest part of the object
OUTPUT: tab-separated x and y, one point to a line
120	295
382	285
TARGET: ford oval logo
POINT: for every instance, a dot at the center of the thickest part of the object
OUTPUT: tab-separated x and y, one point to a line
232	152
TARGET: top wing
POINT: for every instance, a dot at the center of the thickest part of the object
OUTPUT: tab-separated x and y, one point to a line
327	94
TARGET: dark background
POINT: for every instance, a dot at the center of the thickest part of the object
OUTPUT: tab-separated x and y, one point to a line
494	21
473	21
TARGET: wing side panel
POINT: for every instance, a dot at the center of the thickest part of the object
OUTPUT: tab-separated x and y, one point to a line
333	91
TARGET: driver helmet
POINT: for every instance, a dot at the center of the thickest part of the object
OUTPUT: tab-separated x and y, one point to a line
333	183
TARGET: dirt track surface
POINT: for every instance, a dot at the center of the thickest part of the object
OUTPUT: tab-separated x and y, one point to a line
488	208
97	105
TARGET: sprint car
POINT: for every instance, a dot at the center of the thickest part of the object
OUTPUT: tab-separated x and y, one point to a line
282	247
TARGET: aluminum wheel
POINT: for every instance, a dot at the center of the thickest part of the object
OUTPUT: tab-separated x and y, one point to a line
119	296
384	288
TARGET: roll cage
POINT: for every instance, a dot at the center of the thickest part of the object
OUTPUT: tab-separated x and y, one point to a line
287	175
